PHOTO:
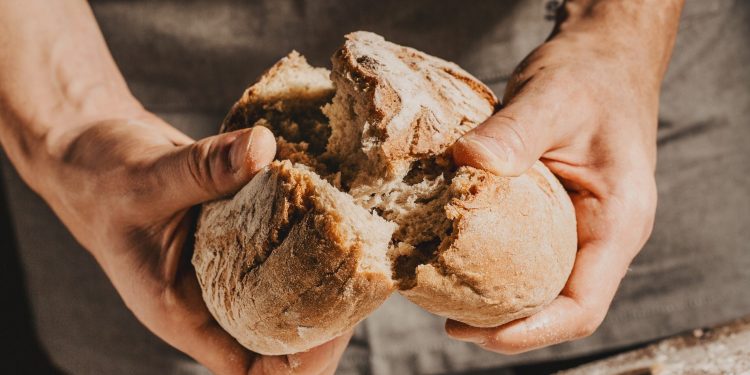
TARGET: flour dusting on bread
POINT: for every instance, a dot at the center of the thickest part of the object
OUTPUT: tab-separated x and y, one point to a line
364	199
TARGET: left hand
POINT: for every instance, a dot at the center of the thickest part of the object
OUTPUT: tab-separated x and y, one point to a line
586	104
126	189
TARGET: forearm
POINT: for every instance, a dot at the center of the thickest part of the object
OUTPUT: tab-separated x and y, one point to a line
601	49
634	31
55	74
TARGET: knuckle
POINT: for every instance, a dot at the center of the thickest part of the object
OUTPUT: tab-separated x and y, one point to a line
198	165
641	203
512	137
586	329
647	208
497	344
515	139
504	348
567	85
649	217
634	199
589	323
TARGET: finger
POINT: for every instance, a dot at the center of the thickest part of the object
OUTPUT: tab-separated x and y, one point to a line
215	349
175	311
575	314
320	360
341	343
191	329
611	231
210	168
510	141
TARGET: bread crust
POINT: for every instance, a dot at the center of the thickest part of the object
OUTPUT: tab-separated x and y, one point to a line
413	105
420	104
487	278
291	261
280	265
283	263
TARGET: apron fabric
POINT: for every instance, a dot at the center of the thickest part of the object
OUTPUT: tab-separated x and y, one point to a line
188	61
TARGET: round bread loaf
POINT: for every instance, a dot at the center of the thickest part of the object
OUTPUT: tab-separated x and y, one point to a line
365	200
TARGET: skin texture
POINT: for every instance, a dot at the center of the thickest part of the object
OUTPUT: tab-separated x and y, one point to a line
123	181
586	104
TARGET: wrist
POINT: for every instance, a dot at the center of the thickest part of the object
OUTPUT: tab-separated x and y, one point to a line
637	32
61	77
37	135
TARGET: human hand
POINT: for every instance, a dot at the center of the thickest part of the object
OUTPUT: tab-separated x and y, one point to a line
586	104
122	180
125	188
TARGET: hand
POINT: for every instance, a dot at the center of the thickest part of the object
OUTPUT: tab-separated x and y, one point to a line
125	189
122	180
588	110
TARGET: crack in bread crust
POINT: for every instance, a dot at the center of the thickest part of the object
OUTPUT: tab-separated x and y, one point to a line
367	200
297	240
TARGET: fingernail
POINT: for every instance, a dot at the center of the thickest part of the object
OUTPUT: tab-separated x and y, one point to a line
471	339
238	153
474	339
252	150
485	152
461	332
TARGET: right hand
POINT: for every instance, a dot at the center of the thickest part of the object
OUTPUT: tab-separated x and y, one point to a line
586	103
125	189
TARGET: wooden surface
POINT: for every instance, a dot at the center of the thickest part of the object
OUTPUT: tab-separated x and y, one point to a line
720	350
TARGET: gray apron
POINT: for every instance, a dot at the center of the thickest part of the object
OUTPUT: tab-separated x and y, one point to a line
188	62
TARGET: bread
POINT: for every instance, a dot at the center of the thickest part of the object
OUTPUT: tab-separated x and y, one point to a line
365	200
291	261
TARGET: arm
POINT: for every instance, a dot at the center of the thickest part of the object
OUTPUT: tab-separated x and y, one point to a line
586	103
56	74
122	180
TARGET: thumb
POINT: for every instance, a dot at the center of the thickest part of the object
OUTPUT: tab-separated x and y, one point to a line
214	167
506	144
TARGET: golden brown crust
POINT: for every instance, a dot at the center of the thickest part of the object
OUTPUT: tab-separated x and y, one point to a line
420	102
413	105
290	261
486	278
280	266
290	86
287	99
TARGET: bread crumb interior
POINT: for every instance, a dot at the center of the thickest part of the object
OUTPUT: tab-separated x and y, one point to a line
413	200
327	134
